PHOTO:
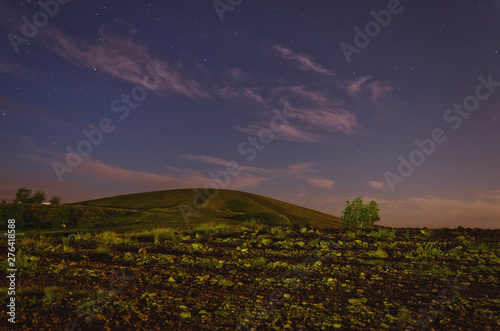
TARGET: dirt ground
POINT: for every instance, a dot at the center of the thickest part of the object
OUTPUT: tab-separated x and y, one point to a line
261	279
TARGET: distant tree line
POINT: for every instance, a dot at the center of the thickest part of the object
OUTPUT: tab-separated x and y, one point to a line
23	195
37	216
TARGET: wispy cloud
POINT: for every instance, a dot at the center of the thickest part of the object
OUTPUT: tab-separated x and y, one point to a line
331	120
291	169
376	185
114	174
241	95
300	168
123	59
375	89
317	110
355	87
143	180
322	182
303	61
303	171
289	133
379	89
13	69
314	97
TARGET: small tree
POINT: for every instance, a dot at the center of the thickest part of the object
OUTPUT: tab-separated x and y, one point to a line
23	195
55	201
357	215
38	197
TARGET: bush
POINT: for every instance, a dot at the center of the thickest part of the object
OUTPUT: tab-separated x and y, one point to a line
358	215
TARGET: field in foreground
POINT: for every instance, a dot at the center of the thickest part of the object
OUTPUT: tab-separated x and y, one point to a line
218	278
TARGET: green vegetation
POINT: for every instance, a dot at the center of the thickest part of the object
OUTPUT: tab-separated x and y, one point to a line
63	219
103	249
232	207
23	195
427	233
221	276
66	244
25	262
254	223
358	215
259	262
109	238
172	208
55	201
211	228
383	233
427	250
407	234
53	294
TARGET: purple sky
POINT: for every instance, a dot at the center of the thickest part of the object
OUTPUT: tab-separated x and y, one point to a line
313	104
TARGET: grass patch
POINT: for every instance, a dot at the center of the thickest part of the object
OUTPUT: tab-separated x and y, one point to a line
427	250
25	262
211	228
383	233
42	242
351	234
53	294
205	227
255	223
102	249
109	238
259	262
26	241
480	248
66	244
84	236
279	232
427	233
165	234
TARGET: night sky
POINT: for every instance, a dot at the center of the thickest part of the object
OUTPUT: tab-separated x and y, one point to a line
312	103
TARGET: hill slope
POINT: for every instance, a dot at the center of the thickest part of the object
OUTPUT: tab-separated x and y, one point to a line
190	206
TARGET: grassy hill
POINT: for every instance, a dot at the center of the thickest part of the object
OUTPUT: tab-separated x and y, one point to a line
187	207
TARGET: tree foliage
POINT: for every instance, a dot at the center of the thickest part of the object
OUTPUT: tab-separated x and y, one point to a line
358	215
38	197
23	195
55	201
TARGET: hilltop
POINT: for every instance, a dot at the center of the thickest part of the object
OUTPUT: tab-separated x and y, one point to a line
189	206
